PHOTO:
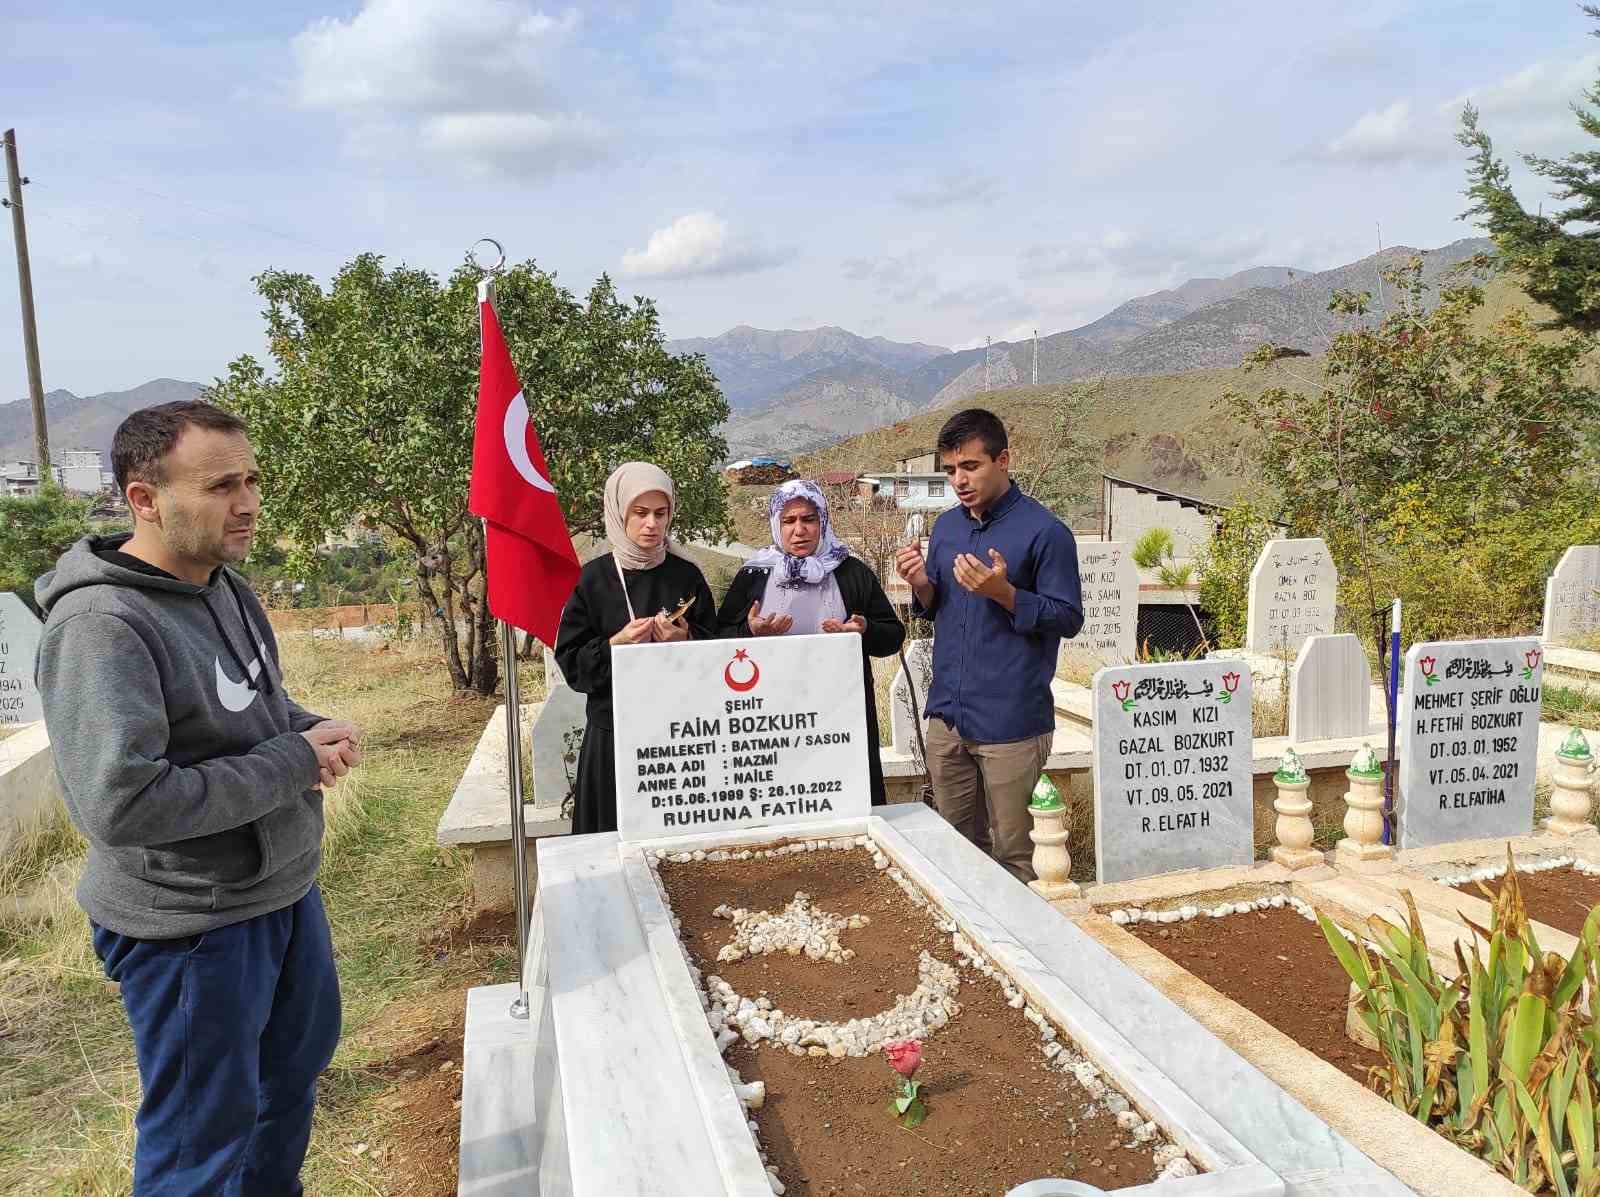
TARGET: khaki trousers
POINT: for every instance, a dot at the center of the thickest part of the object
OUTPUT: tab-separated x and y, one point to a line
983	790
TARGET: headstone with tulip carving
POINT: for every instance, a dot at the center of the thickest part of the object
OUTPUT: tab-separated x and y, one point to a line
1172	768
1469	722
1294	589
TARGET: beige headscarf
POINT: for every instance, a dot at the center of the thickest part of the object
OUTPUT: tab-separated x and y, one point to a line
627	482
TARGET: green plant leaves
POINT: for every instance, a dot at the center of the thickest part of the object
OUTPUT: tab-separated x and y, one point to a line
1501	1059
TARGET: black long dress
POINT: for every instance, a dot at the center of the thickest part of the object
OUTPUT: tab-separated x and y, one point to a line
596	612
863	595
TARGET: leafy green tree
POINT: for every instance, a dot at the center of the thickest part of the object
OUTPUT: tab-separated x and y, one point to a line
34	531
370	413
1064	477
1225	564
1481	424
1560	268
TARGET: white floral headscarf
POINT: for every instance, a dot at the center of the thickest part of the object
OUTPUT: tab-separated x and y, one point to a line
801	571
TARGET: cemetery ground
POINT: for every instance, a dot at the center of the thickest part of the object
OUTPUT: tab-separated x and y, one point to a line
387	1121
1004	1105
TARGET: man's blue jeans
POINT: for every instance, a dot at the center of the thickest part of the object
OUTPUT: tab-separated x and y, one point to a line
231	1029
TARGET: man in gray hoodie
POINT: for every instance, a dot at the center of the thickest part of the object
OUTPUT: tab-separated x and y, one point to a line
197	781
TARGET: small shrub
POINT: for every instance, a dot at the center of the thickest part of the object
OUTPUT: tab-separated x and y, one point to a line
1500	1060
1225	564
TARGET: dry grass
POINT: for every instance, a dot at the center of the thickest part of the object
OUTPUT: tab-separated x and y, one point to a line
68	1083
1576	704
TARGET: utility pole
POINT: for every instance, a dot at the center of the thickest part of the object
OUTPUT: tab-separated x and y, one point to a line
30	331
988	343
1035	357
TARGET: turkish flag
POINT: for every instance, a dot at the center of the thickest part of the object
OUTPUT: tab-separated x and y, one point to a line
532	564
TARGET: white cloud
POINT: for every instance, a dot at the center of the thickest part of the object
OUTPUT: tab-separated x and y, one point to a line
1531	109
1527	111
1392	134
696	246
524	143
426	54
470	81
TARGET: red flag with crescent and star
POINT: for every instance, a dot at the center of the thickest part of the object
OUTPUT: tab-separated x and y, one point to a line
532	564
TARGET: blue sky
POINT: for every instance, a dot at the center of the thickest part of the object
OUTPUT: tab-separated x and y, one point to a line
922	172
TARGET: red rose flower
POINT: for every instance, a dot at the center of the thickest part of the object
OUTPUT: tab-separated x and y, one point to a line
904	1055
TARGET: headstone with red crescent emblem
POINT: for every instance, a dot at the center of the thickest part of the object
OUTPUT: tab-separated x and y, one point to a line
756	733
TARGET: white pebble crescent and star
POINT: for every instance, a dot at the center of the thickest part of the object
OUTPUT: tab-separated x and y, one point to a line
801	929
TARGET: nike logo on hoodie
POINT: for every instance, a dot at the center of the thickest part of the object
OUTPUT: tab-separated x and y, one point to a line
236	696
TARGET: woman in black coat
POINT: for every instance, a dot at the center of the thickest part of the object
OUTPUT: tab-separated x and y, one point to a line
807	582
634	594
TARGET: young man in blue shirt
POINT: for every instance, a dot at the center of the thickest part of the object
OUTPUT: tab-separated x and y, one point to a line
1000	583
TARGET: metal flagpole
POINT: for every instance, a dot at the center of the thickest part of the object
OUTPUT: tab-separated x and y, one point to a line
1393	688
519	859
508	660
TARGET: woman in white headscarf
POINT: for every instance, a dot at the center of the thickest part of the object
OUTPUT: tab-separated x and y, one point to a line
806	582
626	596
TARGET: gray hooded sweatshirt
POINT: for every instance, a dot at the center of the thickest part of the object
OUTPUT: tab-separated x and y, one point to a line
179	754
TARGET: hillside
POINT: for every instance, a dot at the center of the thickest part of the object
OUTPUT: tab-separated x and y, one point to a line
1172	431
87	422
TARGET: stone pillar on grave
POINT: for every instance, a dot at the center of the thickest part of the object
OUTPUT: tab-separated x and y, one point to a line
1295	833
1363	845
1052	864
1571	799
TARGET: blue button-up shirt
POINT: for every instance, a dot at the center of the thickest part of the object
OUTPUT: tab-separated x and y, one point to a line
992	667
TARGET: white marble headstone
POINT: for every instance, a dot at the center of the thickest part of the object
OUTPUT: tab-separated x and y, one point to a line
1330	689
1294	590
557	735
1572	598
722	734
902	735
1110	582
19	645
1172	768
1469	721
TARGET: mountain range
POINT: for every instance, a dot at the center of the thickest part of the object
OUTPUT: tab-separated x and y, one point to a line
796	390
855	385
83	422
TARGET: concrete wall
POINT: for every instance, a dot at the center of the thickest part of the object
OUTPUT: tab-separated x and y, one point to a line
1134	513
29	793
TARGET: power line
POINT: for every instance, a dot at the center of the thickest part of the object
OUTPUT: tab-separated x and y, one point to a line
149	228
232	218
